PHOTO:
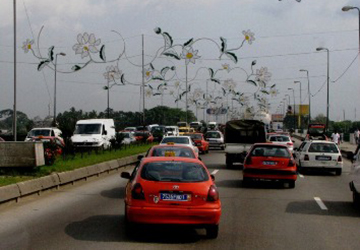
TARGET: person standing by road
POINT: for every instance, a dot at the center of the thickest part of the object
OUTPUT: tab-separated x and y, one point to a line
356	136
335	137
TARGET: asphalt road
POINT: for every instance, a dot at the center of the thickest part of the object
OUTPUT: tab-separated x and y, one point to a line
317	214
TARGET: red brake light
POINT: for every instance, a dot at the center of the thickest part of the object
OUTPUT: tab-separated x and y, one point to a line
213	194
339	158
137	192
248	160
291	163
306	157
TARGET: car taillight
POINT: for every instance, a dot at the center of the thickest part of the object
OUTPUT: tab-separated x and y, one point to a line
213	194
290	144
248	160
339	158
198	144
306	157
291	163
137	192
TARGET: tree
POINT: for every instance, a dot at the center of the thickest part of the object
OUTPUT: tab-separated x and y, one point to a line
23	125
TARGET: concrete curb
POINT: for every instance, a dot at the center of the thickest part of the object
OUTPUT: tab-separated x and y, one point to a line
21	189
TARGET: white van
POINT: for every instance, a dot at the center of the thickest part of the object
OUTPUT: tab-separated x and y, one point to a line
93	133
36	132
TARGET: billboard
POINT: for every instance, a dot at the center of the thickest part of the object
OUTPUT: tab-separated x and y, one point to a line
299	109
277	117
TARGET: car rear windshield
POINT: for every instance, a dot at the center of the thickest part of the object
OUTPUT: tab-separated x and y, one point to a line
173	151
270	151
178	140
195	136
38	132
280	138
174	171
212	135
323	148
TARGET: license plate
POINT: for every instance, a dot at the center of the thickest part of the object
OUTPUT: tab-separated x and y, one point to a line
175	197
323	158
269	162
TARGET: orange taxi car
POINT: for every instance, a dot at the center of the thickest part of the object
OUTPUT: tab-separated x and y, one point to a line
172	190
267	161
200	142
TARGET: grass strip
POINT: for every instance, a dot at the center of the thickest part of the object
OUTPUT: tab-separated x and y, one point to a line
14	175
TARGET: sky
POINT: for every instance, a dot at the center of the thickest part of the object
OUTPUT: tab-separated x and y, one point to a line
286	33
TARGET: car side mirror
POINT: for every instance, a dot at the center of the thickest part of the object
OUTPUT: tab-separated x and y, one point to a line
105	132
212	177
125	175
200	158
139	157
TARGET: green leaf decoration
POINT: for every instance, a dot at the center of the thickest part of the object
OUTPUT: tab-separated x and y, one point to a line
176	100
102	53
265	92
171	54
164	70
76	68
42	64
273	86
155	94
189	88
252	82
158	88
105	88
211	71
224	91
215	80
234	99
232	56
223	44
122	79
157	78
188	42
152	66
151	87
51	53
168	40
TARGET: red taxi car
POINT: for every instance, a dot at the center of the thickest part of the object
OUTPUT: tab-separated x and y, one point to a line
171	150
267	161
172	190
200	142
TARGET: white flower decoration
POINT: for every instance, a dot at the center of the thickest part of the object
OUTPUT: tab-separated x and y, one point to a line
148	93
86	44
226	67
112	73
229	84
171	92
249	36
263	76
27	45
273	92
148	73
244	99
197	94
177	84
189	55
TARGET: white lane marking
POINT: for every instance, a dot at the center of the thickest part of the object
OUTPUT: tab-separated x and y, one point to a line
301	176
320	203
214	172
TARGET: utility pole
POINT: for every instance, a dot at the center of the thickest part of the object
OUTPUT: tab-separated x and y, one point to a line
14	113
143	78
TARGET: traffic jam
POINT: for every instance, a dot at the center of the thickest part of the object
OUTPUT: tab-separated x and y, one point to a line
171	185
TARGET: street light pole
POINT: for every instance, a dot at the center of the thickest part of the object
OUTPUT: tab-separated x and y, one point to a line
300	113
309	93
347	8
294	106
14	113
62	54
327	85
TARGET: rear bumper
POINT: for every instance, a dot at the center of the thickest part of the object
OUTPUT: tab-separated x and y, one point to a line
155	215
271	174
316	165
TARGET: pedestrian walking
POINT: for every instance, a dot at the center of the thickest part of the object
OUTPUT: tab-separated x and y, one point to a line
335	137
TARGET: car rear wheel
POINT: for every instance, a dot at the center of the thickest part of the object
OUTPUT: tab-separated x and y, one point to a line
246	182
292	184
338	171
212	231
229	162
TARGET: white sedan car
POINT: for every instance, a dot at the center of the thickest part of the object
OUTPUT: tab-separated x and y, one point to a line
283	140
183	140
319	154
